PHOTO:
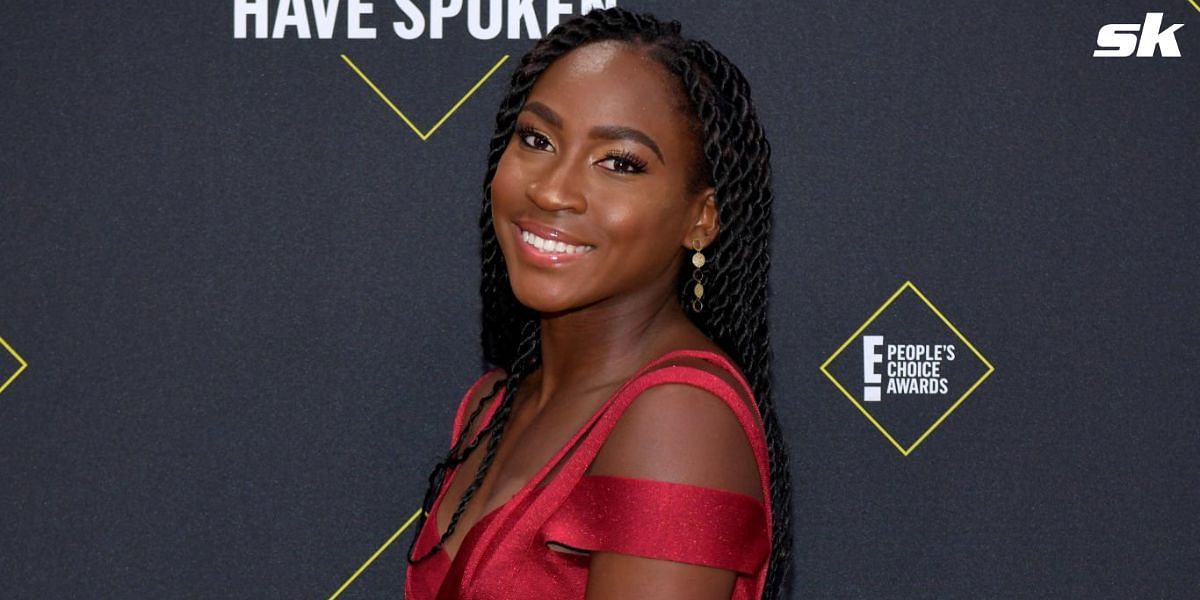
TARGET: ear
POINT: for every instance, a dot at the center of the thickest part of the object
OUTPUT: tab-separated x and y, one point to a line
704	219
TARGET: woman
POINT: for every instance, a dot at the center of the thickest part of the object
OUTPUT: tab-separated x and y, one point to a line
626	213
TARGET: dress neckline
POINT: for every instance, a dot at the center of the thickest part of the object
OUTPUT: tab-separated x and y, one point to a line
529	485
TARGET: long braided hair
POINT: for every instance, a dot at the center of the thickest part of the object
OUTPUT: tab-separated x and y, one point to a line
735	159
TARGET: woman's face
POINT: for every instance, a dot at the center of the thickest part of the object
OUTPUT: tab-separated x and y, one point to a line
598	171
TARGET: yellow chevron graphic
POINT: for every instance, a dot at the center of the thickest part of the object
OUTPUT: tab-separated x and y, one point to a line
19	369
423	135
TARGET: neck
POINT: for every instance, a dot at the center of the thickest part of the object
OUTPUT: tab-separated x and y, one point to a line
604	343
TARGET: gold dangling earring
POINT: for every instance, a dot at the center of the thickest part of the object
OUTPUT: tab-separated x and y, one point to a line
697	278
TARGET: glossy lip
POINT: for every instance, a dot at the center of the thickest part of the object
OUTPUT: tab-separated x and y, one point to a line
538	257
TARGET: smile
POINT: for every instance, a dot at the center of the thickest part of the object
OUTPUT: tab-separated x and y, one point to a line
551	246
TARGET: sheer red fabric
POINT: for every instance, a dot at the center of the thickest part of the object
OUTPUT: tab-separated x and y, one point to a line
535	545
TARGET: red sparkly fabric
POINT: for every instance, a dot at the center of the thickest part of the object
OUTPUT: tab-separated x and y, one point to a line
508	555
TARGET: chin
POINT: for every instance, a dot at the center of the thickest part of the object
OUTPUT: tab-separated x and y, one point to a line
543	299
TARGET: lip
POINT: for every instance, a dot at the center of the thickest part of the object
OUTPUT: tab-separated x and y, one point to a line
537	257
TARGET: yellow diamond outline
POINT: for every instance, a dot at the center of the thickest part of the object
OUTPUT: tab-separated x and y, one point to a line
424	135
19	370
908	285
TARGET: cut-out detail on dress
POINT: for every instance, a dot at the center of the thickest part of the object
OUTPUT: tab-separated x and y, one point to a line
557	547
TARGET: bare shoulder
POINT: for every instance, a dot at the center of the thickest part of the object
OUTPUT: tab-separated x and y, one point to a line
685	434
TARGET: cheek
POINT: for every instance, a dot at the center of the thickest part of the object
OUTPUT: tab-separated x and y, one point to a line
506	184
645	210
643	227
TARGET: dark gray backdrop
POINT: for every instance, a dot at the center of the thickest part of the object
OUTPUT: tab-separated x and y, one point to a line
246	292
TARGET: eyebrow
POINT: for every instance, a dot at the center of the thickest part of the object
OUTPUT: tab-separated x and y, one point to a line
606	132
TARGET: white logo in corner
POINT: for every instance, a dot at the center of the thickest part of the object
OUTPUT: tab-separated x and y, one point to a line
1122	39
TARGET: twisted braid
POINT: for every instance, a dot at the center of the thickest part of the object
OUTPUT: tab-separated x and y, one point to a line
529	346
734	157
738	154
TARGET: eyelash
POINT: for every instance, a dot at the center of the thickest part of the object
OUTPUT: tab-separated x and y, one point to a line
636	164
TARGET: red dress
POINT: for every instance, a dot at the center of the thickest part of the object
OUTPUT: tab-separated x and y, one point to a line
505	554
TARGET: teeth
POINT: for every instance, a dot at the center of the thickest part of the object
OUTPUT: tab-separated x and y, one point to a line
551	246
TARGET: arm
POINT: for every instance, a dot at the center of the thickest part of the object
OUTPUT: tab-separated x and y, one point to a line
675	433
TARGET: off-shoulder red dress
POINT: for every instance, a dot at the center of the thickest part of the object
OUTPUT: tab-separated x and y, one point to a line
506	556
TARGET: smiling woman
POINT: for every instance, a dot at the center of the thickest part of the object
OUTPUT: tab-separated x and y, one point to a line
625	444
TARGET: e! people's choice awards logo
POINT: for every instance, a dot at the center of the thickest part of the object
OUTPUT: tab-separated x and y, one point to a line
907	368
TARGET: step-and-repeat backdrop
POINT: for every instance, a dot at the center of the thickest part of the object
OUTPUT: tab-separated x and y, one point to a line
239	287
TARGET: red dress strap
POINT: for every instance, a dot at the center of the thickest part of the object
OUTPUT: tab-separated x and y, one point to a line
461	415
664	520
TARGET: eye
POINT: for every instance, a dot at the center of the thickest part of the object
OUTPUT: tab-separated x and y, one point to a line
531	138
625	162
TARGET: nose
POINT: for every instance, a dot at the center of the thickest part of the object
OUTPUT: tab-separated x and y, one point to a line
557	186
